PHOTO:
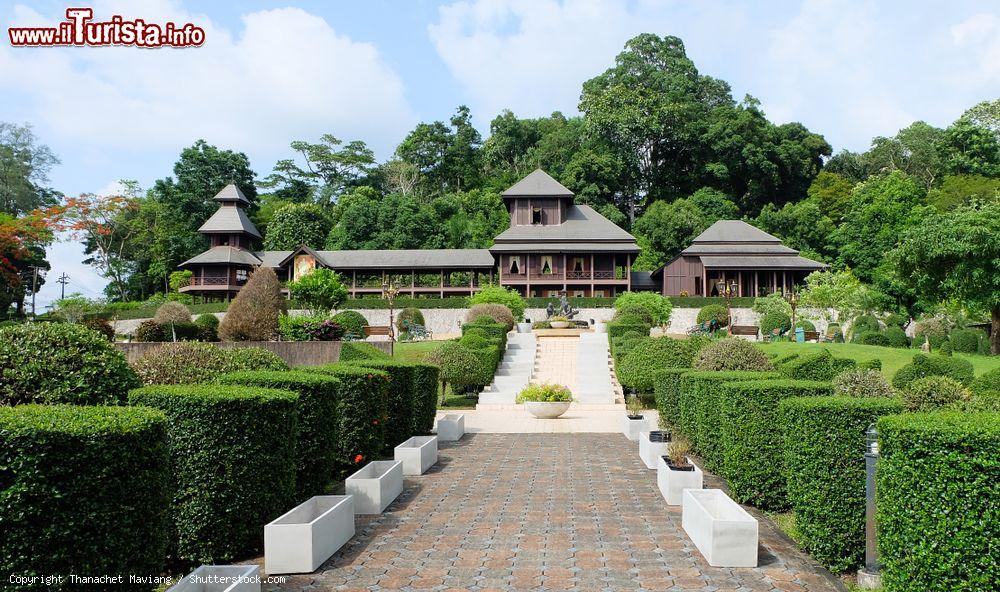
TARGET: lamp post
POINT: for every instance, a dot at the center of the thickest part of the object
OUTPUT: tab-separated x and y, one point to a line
389	291
727	291
793	301
869	578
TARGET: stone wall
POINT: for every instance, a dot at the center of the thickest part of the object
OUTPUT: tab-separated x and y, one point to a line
294	353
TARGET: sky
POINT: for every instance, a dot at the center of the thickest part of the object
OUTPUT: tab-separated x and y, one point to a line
272	72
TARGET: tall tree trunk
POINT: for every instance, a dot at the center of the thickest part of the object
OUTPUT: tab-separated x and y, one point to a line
995	333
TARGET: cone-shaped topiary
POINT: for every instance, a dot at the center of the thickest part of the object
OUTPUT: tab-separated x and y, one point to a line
253	315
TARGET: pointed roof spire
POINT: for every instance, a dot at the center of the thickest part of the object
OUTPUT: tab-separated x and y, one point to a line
232	194
537	184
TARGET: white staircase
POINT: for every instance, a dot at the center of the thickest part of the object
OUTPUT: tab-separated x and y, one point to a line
514	373
593	374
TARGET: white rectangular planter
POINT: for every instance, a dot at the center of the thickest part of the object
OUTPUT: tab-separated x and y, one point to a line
220	578
723	531
306	536
418	454
650	451
375	485
673	483
632	427
451	427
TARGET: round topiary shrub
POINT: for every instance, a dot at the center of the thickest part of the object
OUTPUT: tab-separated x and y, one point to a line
894	319
714	312
649	354
863	324
61	363
499	295
353	322
208	327
922	366
932	330
85	490
658	307
100	325
988	382
240	359
409	316
172	313
805	325
732	354
459	366
861	382
775	320
871	338
933	392
632	312
150	331
966	341
498	312
896	337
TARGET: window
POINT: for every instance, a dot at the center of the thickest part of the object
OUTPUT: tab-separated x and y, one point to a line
598	293
578	294
515	264
241	275
536	215
546	264
578	264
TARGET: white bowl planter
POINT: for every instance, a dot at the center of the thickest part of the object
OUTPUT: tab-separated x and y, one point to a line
302	539
375	486
673	482
632	427
546	409
220	578
451	428
653	445
723	531
418	454
559	324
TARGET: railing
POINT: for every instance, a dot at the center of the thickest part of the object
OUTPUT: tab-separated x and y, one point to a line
604	275
209	281
578	275
569	275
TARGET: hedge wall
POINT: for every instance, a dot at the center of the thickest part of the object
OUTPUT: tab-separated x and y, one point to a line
363	411
752	437
232	460
426	378
667	393
939	501
316	447
635	369
821	365
401	397
83	490
360	350
923	366
700	407
824	443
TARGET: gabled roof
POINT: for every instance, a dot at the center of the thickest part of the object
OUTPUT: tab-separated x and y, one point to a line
224	254
231	193
582	224
734	231
387	258
755	262
537	184
230	219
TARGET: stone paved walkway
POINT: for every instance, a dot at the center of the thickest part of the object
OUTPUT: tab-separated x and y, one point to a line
542	512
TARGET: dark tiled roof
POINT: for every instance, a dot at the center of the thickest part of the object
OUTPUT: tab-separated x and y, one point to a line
739	249
224	255
393	259
231	193
776	262
734	231
230	219
537	184
565	247
582	223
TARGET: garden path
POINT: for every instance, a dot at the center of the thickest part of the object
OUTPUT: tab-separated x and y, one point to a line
543	512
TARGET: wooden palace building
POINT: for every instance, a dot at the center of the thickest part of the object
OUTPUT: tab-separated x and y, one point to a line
552	245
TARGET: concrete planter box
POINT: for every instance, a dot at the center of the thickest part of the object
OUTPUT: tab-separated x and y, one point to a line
547	409
632	427
524	327
653	445
723	531
418	454
302	539
220	578
375	486
672	483
451	427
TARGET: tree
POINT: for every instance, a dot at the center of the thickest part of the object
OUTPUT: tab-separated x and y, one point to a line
253	315
330	162
953	255
320	290
447	156
24	169
74	307
839	295
802	226
668	228
957	190
297	224
831	193
22	242
715	204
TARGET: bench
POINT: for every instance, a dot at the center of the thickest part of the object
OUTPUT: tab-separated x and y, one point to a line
746	330
378	330
811	335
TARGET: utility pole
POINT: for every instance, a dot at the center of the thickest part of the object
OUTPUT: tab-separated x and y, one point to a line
34	288
63	279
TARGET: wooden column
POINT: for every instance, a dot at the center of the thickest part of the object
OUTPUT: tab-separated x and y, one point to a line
413	283
739	281
564	270
592	284
628	272
442	283
756	286
527	275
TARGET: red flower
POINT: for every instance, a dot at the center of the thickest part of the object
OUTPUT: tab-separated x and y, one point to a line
358	458
375	422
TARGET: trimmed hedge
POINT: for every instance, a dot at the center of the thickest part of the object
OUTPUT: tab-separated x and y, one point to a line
700	408
824	443
401	397
360	350
316	447
363	409
425	379
635	370
923	365
989	381
667	393
752	439
967	341
616	330
939	501
61	363
83	490
821	365
232	461
353	322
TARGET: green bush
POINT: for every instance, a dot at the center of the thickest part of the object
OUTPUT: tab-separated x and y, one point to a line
989	381
363	410
895	320
732	354
700	409
634	312
101	326
458	366
500	295
618	329
667	393
360	350
401	397
239	359
775	320
150	332
498	313
489	328
824	438
208	327
896	337
657	307
863	324
316	405
871	338
933	392
861	382
192	362
938	507
821	365
84	490
871	364
649	354
232	460
924	365
353	322
967	341
425	377
410	315
714	312
932	330
805	325
752	439
61	363
544	393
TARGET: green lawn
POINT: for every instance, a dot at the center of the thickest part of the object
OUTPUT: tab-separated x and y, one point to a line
893	358
416	351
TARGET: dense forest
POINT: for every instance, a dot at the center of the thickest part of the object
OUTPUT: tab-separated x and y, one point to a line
659	148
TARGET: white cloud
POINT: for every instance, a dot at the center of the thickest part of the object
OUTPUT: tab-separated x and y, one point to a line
981	35
286	75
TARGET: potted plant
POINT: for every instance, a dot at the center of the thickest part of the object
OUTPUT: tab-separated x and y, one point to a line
634	421
653	445
545	401
559	322
675	472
